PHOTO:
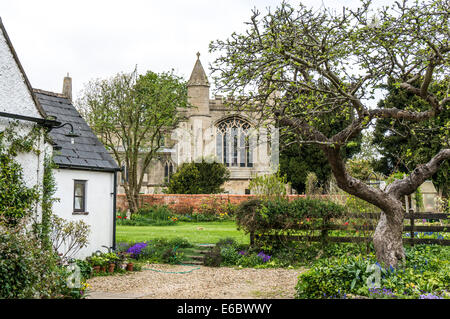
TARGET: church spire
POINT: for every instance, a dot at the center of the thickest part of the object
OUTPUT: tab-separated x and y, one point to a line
198	75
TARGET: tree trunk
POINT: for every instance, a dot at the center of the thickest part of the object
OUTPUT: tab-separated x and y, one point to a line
132	199
387	238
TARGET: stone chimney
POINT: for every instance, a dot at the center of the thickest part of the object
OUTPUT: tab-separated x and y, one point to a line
67	87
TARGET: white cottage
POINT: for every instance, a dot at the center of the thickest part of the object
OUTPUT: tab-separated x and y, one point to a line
86	175
18	103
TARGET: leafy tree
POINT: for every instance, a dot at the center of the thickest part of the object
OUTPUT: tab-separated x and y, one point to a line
302	67
403	145
361	169
198	178
297	160
130	114
270	186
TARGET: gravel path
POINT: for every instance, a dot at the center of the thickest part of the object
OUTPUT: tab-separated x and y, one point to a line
203	283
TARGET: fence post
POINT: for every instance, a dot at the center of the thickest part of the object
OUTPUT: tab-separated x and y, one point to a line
324	232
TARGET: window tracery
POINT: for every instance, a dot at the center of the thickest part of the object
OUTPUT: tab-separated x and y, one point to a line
234	145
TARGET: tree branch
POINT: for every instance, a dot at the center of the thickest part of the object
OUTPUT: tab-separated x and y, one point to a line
421	173
353	185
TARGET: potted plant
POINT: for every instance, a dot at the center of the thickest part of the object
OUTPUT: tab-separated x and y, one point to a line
122	262
98	263
126	262
111	259
130	266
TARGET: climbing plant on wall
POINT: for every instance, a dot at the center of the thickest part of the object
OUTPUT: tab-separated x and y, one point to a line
48	192
16	199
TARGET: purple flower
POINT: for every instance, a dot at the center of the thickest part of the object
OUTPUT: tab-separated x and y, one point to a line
382	292
264	257
242	252
136	249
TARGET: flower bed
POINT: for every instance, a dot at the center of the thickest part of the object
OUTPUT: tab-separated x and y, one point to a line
424	274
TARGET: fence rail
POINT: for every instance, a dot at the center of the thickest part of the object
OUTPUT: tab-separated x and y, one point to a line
410	229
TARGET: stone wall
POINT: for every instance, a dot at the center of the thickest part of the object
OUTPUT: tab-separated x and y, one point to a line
187	203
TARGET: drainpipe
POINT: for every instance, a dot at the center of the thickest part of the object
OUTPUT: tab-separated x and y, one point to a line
114	210
38	180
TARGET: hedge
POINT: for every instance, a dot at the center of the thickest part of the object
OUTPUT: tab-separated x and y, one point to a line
261	216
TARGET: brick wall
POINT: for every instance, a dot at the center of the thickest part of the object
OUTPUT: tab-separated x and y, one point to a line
186	203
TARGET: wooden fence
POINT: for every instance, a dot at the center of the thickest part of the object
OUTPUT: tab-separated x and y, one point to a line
410	229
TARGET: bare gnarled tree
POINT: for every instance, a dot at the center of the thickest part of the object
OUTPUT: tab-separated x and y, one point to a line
301	66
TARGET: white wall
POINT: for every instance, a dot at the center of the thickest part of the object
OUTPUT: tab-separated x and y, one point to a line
99	205
16	98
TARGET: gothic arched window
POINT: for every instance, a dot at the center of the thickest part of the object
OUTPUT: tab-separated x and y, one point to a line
234	145
168	171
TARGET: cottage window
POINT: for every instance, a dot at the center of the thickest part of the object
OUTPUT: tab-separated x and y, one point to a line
234	145
79	200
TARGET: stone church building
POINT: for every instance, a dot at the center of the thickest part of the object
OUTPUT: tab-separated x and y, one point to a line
213	132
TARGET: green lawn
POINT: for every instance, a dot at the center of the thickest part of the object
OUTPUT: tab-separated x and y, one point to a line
196	233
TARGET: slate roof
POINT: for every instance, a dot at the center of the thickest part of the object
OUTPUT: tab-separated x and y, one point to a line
87	152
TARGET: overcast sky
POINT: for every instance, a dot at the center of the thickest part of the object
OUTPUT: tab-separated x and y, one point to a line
98	38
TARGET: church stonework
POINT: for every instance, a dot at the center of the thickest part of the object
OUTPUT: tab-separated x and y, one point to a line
213	132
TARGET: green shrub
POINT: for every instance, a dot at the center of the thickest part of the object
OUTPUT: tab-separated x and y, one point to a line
27	270
179	242
228	241
251	260
214	208
159	250
257	216
230	257
211	209
269	186
161	215
213	258
333	278
425	272
155	212
198	178
312	187
85	269
155	215
228	252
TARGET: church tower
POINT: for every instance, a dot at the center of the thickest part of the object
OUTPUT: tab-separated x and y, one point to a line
199	115
198	89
